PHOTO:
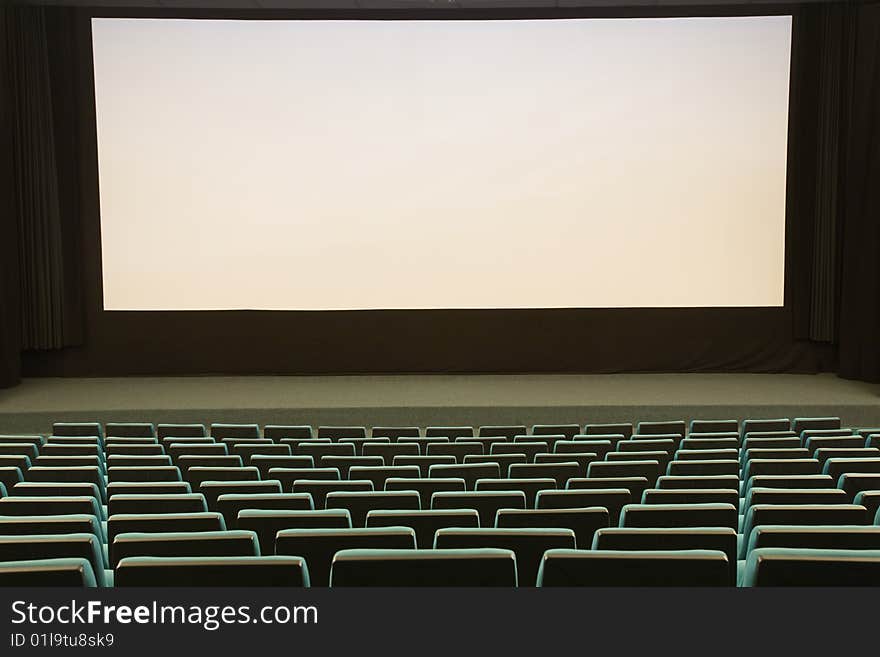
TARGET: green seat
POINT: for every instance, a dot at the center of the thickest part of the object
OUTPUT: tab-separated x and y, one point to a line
360	503
319	488
230	504
528	544
212	571
758	515
424	522
230	543
264	463
477	567
806	567
583	522
73	523
679	515
266	523
836	537
86	546
212	490
634	568
470	473
486	503
529	487
611	499
319	546
48	572
426	487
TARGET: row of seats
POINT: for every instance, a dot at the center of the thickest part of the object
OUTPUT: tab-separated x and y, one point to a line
672	503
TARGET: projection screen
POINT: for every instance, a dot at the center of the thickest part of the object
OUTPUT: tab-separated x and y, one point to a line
403	164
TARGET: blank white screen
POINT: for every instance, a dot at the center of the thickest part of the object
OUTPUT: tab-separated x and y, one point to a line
442	164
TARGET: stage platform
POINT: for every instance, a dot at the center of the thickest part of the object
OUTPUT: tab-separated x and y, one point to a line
436	399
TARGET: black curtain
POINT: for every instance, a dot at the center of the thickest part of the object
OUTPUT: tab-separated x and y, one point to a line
42	256
10	331
859	343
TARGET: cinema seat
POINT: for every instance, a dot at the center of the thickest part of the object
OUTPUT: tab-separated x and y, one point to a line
692	496
73	441
529	487
77	429
134	449
787	481
360	442
266	523
812	443
181	431
231	504
198	474
426	487
345	463
569	431
485	441
248	450
61	524
665	445
486	502
57	489
681	482
470	472
678	427
824	454
337	432
779	454
616	469
805	567
77	474
381	474
212	571
253	442
319	450
714	426
789	496
423	443
155	473
634	568
187	462
506	431
559	472
220	430
583	444
449	432
279	431
263	463
703	468
360	503
289	476
635	485
49	506
319	546
22	463
623	429
212	490
781	467
425	522
753	426
147	488
830	537
178	450
708	455
457	449
528	545
232	543
611	499
130	430
504	461
679	515
837	467
394	433
389	451
127	461
294	443
174	503
582	459
583	522
56	546
723	539
663	458
19	449
855	482
424	463
801	424
479	567
48	572
318	489
529	449
772	440
692	443
758	515
870	499
191	440
161	522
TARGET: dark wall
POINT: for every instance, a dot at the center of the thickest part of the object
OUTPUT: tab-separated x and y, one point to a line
580	340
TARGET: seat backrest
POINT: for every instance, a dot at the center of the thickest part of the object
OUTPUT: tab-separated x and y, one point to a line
264	462
214	489
48	572
567	430
319	546
855	482
623	429
684	482
212	571
635	468
345	463
469	472
130	429
449	432
424	523
220	430
611	499
802	514
169	503
670	427
337	432
529	449
801	424
582	444
528	544
506	431
389	451
679	515
162	522
379	475
703	468
289	476
395	432
583	522
559	472
424	463
504	461
714	426
634	568
692	496
478	567
425	487
279	431
806	567
266	523
781	467
361	503
778	424
529	487
230	504
153	473
760	495
320	488
56	546
635	485
831	537
486	502
231	543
